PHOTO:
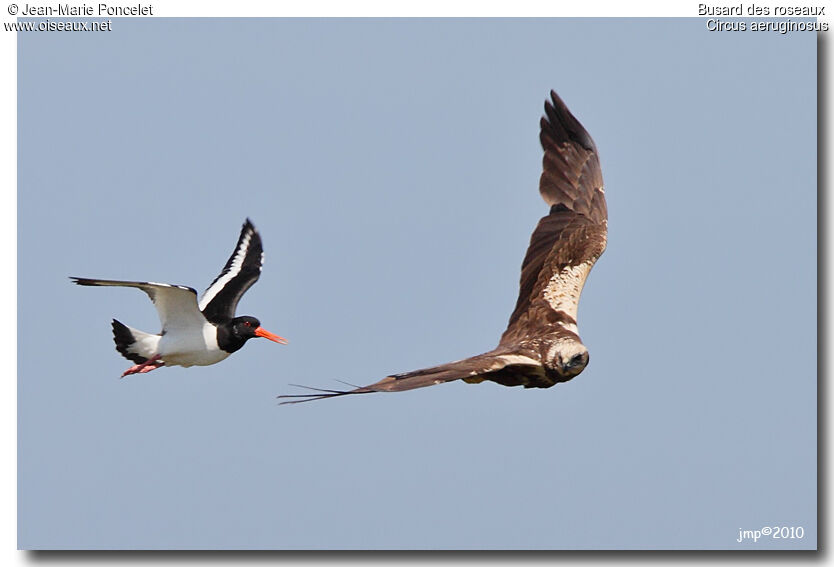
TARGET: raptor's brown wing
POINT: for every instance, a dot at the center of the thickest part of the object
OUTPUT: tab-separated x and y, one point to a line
575	231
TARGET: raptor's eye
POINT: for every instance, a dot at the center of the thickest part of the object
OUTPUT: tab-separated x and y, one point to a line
576	360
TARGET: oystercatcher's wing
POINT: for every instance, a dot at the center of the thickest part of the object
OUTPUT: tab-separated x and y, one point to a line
175	304
241	271
507	369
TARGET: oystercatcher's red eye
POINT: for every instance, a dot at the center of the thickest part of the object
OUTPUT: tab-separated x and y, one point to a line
247	323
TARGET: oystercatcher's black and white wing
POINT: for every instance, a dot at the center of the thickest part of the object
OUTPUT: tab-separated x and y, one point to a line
242	270
541	346
176	305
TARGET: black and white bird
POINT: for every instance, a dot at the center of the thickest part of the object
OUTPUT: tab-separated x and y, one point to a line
195	334
541	346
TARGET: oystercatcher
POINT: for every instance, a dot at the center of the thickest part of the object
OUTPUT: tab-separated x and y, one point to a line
541	346
195	334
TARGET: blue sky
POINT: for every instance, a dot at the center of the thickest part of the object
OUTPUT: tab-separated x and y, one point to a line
391	167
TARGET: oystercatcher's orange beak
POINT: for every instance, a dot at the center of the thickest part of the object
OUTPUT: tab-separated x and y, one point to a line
261	332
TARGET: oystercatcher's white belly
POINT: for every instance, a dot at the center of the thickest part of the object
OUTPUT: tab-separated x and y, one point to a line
191	349
194	358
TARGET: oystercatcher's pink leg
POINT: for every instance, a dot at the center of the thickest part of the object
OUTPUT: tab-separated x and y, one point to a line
150	364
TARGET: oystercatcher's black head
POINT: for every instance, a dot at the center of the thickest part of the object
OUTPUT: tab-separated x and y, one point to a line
231	336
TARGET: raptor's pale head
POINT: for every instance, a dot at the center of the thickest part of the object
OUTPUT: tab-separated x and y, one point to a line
566	358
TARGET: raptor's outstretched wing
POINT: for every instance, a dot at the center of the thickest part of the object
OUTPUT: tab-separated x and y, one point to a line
507	369
567	242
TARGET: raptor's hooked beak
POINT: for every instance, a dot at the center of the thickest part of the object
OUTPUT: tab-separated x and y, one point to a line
573	366
261	332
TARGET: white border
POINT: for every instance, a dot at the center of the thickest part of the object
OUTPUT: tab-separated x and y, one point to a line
253	8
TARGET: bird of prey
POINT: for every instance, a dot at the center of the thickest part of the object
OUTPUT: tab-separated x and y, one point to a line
195	333
541	346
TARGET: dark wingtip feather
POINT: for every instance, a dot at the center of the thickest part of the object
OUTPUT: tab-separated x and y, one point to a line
324	394
559	124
